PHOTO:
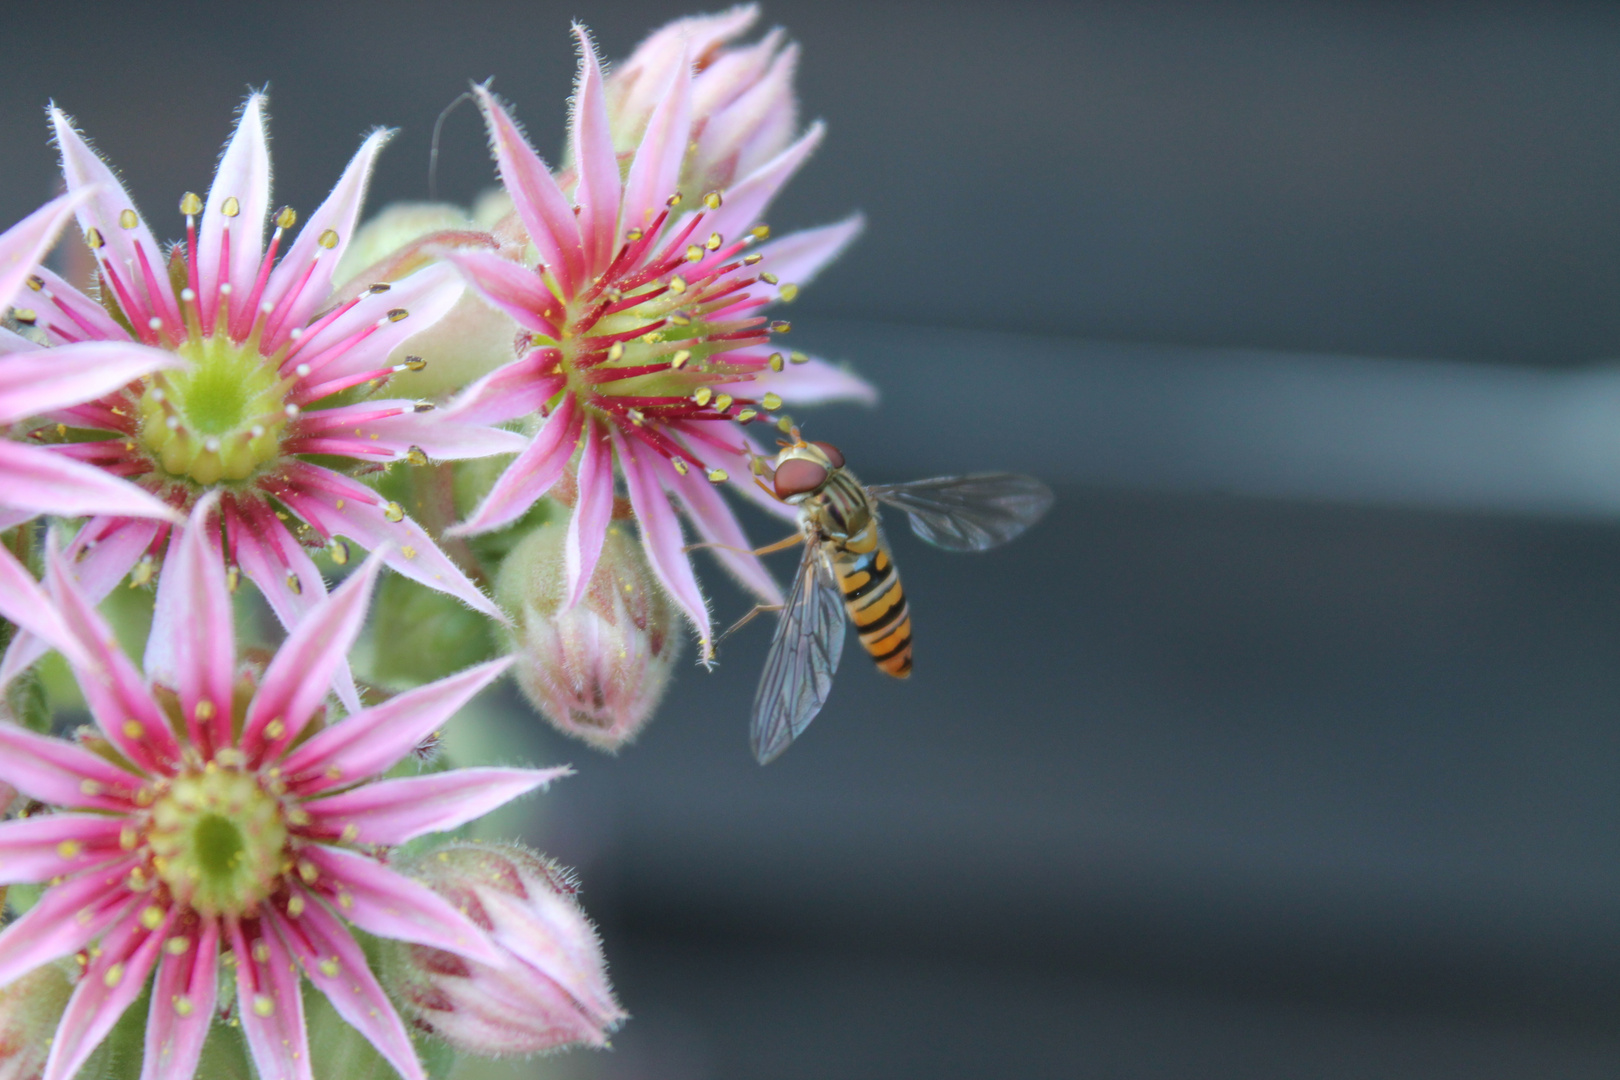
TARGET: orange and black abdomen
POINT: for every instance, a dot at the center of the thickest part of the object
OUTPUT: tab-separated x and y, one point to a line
876	603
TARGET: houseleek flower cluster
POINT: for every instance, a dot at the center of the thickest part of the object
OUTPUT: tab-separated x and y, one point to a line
430	448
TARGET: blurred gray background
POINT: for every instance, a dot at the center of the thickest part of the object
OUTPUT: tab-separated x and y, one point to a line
1289	746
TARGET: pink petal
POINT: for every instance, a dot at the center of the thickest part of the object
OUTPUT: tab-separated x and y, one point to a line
681	40
334	963
81	168
97	567
723	453
310	255
729	128
298	677
12	343
192	646
55	845
242	180
733	72
336	505
39	382
374	740
535	196
424	297
814	382
25	243
434	433
531	475
510	286
60	773
597	193
269	1006
25	604
746	200
118	697
661	535
273	559
717	525
587	526
393	811
67	315
43	481
518	389
174	1041
569	954
113	979
798	257
387	903
657	167
67	918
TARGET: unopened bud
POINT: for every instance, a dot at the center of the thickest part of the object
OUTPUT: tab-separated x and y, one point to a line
553	990
598	669
743	107
30	1010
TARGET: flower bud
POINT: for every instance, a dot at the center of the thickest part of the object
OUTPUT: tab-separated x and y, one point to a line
598	669
743	108
30	1010
553	990
472	338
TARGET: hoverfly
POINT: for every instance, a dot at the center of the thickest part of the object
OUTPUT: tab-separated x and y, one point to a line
847	565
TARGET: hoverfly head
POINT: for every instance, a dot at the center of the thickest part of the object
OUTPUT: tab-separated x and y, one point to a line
803	468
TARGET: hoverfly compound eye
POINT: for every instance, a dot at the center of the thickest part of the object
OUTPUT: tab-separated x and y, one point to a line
798	477
834	455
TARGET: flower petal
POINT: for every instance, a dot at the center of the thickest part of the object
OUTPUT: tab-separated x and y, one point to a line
754	125
297	680
25	604
724	454
539	203
25	243
518	389
690	38
105	213
531	475
114	977
813	382
798	257
661	536
230	241
62	774
68	316
392	429
387	903
269	1005
656	170
183	999
510	286
746	200
587	526
39	382
302	281
374	740
335	964
55	845
597	192
394	811
336	505
192	645
358	342
67	918
45	482
570	954
717	525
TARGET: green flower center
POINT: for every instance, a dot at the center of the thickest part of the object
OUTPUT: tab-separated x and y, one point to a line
219	419
218	841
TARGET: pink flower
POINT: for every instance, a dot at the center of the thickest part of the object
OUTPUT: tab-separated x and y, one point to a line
551	991
648	350
37	480
213	817
272	369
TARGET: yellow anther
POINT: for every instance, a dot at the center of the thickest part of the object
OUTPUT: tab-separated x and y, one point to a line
633	235
133	729
712	200
294	584
768	278
92	237
396	314
637	417
416	456
746	415
182	1005
722	403
781	326
673	199
307	871
351	833
177	946
714	241
261	952
680	320
776	361
190	204
69	849
788	293
394	513
415	363
615	351
771	402
127	219
339	552
114	975
760	232
233	578
327	239
693	253
752	259
276	728
329	967
205	710
286	217
703	395
152	917
717	476
785	424
798	358
680	466
677	284
230	207
408	551
263	1006
36	282
128	838
295	905
680	358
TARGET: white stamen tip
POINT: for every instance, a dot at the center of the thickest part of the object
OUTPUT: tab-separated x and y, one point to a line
267	307
302	370
172	423
187	295
257	430
296	332
225	288
211	444
155	323
292	410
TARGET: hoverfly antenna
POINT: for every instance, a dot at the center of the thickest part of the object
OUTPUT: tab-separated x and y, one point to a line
798	440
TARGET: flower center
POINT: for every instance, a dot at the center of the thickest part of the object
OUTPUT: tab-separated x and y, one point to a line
218	841
221	418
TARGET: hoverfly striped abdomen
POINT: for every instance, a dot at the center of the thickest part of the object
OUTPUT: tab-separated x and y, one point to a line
876	602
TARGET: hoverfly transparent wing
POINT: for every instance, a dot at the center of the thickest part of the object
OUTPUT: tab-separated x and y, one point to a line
804	655
969	513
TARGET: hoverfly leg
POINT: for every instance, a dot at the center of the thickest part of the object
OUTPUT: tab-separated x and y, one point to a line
780	545
759	609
